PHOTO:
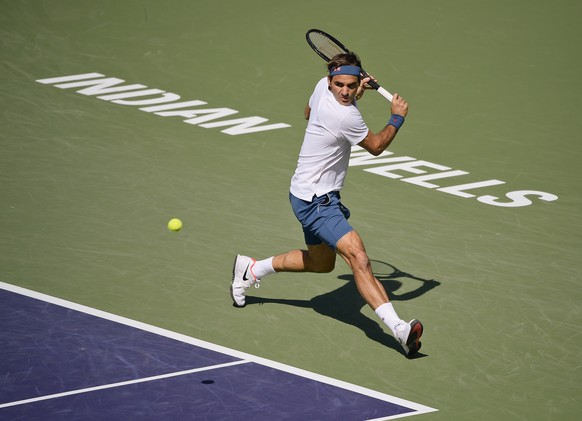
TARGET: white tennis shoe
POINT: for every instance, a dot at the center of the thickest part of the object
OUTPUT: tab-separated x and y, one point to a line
408	334
242	278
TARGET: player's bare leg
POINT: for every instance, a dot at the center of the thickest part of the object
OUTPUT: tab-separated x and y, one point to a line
351	248
319	259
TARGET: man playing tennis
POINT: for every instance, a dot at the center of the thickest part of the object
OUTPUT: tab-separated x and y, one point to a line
335	125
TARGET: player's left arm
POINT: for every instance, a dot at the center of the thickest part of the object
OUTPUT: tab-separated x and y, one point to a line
307	112
363	86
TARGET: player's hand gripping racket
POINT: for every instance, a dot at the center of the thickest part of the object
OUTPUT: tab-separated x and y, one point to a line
327	46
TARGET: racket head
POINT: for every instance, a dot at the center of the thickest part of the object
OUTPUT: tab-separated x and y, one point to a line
327	46
324	44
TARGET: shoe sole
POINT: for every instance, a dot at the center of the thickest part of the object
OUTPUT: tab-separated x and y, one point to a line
413	342
234	303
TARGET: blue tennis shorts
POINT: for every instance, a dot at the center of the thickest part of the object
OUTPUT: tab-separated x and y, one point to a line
324	219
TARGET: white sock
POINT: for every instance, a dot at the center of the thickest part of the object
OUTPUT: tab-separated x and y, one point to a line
388	315
263	268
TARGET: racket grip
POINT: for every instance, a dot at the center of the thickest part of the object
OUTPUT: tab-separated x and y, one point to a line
385	93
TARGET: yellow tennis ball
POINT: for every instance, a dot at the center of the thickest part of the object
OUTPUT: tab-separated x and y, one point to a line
175	225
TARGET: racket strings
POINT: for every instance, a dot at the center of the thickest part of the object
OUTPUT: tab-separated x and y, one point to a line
325	46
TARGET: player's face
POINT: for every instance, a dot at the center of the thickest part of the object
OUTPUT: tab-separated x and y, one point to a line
344	88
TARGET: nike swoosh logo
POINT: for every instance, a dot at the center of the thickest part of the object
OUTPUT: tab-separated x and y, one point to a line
245	278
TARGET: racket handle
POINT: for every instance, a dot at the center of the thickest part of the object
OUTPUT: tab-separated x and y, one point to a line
385	93
380	90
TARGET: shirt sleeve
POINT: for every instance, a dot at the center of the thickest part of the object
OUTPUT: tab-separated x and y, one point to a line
353	127
317	92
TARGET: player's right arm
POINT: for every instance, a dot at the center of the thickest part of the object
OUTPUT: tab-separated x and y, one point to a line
376	143
307	112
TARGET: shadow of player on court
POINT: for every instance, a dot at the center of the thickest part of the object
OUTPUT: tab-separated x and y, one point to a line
345	303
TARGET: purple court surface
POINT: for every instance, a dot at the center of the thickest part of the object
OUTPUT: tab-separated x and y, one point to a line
63	361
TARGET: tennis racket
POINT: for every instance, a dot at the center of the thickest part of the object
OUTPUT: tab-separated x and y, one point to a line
327	46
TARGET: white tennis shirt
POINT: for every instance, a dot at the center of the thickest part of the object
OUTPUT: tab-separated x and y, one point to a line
331	132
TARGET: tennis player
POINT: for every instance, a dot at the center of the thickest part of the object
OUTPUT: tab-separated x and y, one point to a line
335	125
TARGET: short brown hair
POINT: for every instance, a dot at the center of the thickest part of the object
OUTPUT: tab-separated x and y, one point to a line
344	59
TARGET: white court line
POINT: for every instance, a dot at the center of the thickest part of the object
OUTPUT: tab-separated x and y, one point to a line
119	384
418	408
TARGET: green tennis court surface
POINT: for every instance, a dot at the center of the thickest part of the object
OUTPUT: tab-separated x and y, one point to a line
472	220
